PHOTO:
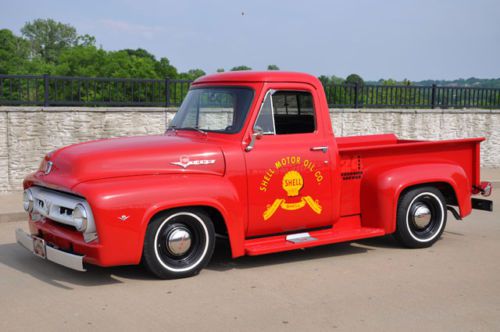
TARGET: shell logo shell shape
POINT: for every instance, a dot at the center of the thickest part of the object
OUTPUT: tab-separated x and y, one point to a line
292	183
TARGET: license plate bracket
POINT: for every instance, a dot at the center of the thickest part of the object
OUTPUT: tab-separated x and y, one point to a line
39	247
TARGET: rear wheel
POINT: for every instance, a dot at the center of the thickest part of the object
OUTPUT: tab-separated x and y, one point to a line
179	243
421	217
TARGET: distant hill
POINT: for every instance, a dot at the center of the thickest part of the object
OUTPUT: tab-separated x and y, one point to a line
469	82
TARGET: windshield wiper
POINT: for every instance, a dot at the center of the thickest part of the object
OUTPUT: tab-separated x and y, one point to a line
192	128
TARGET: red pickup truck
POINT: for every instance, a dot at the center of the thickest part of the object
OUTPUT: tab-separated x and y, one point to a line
251	157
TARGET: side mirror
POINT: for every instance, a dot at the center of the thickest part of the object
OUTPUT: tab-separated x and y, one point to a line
257	134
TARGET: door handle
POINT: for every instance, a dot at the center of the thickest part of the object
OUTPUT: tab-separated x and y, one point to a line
323	149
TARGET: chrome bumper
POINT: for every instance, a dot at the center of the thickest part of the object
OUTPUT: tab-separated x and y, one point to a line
60	257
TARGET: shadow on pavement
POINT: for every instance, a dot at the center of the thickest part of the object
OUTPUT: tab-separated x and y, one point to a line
16	257
222	261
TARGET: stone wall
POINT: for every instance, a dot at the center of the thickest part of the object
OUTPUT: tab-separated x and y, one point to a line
27	133
425	125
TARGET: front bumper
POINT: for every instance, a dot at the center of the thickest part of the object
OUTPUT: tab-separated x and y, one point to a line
60	257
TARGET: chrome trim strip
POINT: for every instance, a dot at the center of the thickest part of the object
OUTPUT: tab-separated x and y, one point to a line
60	257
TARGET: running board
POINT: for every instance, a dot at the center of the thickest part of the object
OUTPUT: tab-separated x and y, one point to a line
267	245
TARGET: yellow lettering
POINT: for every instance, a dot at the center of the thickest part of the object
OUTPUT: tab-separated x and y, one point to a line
318	176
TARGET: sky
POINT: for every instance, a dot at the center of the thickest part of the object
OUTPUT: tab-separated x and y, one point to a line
399	39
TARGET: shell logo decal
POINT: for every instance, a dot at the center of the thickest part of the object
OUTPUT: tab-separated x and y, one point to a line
292	183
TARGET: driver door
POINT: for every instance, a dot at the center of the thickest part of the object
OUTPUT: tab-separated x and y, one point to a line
288	170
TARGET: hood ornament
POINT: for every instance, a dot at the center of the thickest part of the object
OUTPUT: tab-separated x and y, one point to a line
48	167
185	162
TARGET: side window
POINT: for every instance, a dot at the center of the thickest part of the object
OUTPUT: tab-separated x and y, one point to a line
287	112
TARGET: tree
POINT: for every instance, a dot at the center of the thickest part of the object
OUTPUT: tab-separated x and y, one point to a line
165	69
237	68
85	40
220	70
328	80
14	52
325	80
88	61
49	38
140	53
192	74
273	67
354	79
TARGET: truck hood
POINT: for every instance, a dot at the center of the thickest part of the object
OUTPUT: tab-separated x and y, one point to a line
130	156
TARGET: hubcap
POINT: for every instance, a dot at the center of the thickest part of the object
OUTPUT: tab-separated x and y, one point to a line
422	216
179	241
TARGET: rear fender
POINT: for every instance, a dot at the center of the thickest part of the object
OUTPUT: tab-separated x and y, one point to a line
382	187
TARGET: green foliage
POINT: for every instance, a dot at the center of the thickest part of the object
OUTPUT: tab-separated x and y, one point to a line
273	67
49	38
470	82
50	47
85	40
328	80
238	68
220	70
354	79
140	53
14	51
192	74
164	69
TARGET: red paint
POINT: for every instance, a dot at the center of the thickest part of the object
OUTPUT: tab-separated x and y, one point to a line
281	186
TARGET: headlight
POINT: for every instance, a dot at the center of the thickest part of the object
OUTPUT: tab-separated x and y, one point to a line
80	217
28	202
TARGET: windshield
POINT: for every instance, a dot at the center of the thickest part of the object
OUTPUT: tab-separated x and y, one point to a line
220	109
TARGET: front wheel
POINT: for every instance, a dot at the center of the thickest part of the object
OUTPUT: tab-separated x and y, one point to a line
421	217
179	243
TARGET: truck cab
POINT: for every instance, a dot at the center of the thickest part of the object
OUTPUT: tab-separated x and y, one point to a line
251	157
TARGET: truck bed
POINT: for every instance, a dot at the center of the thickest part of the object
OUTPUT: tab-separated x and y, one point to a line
359	154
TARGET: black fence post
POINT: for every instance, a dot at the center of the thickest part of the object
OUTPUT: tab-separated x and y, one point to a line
46	90
167	92
433	96
356	94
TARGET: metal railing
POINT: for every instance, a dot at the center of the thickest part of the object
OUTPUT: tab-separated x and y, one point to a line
45	90
411	96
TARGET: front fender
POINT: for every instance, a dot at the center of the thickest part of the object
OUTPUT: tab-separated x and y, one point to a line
123	207
382	187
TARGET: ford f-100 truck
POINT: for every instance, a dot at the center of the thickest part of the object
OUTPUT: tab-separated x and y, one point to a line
251	157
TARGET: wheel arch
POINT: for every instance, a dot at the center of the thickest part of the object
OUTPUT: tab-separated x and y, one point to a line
445	188
215	216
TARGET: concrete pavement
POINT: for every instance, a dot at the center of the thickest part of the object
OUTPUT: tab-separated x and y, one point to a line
369	285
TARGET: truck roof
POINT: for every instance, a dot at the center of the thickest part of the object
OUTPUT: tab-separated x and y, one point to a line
260	76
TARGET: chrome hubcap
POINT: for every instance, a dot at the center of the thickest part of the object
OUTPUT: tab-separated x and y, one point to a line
179	241
422	216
